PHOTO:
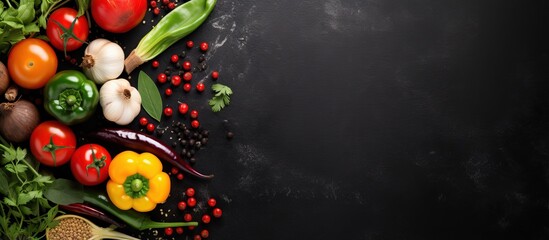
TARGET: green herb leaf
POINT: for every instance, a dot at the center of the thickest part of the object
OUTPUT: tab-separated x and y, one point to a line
150	96
25	12
82	6
16	168
43	179
64	192
4	187
20	153
23	198
221	97
10	202
26	210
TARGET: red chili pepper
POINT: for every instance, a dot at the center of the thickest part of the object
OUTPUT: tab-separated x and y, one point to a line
143	142
89	211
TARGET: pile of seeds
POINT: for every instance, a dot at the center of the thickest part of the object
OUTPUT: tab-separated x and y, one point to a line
71	228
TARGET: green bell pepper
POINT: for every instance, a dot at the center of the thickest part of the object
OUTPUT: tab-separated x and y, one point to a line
70	97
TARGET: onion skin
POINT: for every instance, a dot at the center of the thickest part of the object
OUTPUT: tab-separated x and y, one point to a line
4	79
18	120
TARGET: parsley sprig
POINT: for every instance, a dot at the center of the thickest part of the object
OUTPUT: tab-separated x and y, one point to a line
221	97
24	212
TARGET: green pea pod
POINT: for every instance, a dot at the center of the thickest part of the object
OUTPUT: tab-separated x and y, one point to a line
177	24
70	97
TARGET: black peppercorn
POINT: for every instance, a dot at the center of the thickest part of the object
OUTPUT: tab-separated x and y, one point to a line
230	135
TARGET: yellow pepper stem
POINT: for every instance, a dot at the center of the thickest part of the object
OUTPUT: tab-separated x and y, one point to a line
136	186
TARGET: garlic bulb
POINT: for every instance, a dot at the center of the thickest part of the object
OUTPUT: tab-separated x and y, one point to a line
120	101
103	60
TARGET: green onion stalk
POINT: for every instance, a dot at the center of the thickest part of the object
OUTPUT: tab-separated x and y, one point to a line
177	24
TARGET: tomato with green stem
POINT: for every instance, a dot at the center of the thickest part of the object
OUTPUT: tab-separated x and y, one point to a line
90	164
66	30
52	143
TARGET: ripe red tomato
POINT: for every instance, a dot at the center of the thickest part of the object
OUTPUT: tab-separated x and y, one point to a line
52	143
59	30
118	16
90	164
31	63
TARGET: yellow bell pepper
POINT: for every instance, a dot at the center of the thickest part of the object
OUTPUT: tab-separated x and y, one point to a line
137	181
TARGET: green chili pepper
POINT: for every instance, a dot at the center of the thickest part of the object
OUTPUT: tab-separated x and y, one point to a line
70	97
177	24
64	192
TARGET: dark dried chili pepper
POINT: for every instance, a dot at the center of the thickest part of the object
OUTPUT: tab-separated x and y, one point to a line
142	142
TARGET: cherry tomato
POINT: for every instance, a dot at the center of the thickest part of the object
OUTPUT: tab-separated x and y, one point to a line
190	44
204	46
187	87
194	114
176	80
187	65
206	218
155	64
187	76
90	164
151	127
212	202
156	11
182	205
168	231
118	16
179	230
174	58
205	233
215	75
31	63
195	123
183	108
168	92
189	192
143	121
168	111
162	78
52	143
191	202
217	212
200	87
59	29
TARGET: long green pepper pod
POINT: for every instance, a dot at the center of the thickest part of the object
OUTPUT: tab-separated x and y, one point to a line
177	24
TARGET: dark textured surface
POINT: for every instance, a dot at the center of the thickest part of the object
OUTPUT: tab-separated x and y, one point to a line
384	119
374	119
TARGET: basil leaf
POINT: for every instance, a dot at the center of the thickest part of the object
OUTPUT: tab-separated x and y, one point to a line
25	12
150	97
64	192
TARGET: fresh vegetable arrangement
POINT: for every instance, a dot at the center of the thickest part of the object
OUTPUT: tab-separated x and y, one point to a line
171	28
61	78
